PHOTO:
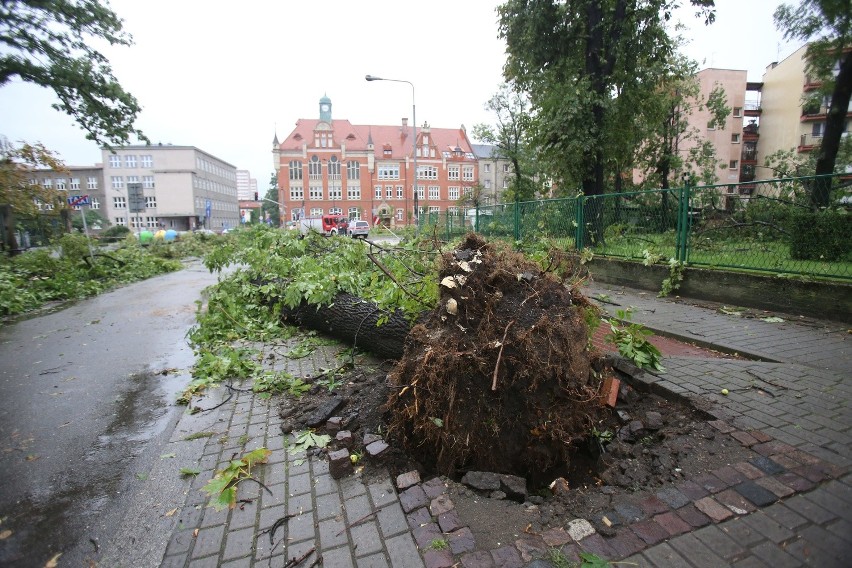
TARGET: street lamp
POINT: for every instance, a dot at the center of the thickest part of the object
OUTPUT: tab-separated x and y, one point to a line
414	142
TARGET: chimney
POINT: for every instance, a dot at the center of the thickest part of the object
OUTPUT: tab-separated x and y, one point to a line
405	123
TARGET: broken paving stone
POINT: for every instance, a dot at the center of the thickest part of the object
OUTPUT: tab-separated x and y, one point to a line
377	449
334	425
449	521
482	480
339	464
323	412
497	495
434	487
441	505
653	420
461	540
556	537
580	529
515	487
345	438
370	438
412	498
406	480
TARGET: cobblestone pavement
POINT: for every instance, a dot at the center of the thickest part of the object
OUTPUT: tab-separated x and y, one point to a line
790	506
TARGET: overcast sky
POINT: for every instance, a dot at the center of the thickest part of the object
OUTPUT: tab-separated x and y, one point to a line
226	76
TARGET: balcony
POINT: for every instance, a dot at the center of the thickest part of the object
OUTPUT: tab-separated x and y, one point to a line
811	84
749	154
808	142
750	133
752	109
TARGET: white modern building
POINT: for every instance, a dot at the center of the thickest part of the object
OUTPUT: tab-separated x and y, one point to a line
184	188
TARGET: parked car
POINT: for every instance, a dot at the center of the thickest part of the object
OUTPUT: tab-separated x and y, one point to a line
359	229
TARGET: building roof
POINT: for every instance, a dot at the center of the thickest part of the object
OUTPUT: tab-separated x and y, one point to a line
357	137
487	151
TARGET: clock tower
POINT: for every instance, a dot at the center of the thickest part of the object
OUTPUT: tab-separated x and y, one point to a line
325	109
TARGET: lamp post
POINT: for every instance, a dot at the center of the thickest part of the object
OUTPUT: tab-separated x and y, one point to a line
414	141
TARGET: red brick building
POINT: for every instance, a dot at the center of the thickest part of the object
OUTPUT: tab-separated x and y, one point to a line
330	165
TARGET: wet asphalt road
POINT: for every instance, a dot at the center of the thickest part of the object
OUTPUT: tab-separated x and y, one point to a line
86	404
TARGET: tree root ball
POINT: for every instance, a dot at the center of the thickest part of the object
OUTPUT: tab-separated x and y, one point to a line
500	376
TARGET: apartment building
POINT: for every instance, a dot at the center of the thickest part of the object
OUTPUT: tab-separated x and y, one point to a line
727	138
331	166
183	188
495	173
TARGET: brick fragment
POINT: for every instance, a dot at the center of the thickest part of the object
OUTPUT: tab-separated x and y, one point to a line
440	505
438	558
339	464
449	521
507	557
461	540
412	498
407	479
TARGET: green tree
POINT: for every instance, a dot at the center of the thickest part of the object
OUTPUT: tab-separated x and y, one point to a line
830	21
270	204
670	146
511	137
50	44
574	58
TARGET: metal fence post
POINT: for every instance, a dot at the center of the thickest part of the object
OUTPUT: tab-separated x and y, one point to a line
683	221
517	219
579	221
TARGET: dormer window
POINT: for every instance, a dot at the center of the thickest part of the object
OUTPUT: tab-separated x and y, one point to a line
387	150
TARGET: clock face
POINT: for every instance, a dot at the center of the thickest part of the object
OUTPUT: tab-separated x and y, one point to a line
324	108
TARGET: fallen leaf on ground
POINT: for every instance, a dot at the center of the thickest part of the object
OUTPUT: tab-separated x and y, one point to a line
172	512
5	534
53	562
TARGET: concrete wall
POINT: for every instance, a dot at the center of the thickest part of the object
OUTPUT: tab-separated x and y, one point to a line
823	300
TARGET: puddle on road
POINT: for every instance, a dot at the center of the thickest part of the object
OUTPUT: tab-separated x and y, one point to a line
64	516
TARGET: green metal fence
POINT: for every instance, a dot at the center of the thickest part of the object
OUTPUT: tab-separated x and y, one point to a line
760	226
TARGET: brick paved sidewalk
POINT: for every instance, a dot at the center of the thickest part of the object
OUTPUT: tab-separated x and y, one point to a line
791	507
821	344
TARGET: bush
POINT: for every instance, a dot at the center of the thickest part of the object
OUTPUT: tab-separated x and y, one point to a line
822	235
115	233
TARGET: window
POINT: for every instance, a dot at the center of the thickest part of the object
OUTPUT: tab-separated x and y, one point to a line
467	173
735	138
399	191
150	202
130	161
91	182
389	171
434	192
734	164
335	211
117	182
434	209
132	179
121	221
817	129
399	214
389	192
711	125
95	203
61	184
47	183
146	161
486	168
487	184
506	168
353	192
377	192
114	161
354	213
505	184
452	211
151	222
315	192
353	170
738	112
316	212
427	172
148	182
453	193
75	184
453	171
295	170
119	203
421	192
297	193
335	192
333	168
314	169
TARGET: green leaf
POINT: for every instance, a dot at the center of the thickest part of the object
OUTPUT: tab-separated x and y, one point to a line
189	471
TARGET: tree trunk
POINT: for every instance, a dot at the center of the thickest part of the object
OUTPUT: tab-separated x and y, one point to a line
354	321
834	124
